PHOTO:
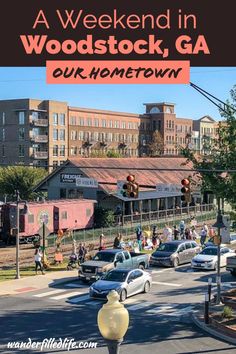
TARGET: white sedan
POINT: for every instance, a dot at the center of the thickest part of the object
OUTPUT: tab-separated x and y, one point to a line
207	259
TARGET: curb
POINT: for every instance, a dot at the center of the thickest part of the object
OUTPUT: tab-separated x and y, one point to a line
58	281
212	331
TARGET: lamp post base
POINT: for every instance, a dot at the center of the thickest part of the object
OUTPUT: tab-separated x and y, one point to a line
114	345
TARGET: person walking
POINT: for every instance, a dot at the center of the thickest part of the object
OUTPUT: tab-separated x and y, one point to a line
154	236
116	243
176	233
139	237
203	236
182	228
38	258
102	243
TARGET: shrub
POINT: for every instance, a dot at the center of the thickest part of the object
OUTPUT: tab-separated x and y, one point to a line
227	312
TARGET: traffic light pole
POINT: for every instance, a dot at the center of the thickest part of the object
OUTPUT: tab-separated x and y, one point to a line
17	235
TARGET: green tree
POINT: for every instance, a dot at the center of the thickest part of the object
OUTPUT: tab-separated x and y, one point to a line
221	155
20	178
112	153
156	146
103	217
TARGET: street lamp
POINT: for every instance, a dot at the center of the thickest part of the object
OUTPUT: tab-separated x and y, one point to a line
113	322
18	200
219	225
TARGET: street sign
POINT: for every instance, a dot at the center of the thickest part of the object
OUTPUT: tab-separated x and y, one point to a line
86	182
47	231
168	188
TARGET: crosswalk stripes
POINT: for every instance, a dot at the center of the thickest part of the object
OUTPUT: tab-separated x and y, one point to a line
52	292
67	295
139	306
167	284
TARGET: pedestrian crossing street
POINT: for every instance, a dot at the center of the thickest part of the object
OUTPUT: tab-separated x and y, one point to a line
76	294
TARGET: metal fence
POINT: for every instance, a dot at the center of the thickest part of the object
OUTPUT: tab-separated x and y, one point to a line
171	217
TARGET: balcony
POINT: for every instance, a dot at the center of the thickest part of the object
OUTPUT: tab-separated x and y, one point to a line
39	155
39	122
40	138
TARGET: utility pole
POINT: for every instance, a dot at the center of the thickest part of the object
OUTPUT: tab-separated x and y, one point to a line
17	235
218	280
43	243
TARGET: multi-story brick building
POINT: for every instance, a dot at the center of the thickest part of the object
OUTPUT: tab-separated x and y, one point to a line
45	133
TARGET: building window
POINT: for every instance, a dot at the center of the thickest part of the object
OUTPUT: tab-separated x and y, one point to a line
110	124
21	150
3	118
64	215
154	125
55	134
73	150
81	121
21	118
123	125
55	164
62	193
116	124
73	135
130	125
116	137
80	135
73	120
62	135
3	151
89	122
104	123
55	150
55	119
62	150
22	133
62	118
96	122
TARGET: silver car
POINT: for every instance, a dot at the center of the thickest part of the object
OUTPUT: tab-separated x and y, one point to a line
126	282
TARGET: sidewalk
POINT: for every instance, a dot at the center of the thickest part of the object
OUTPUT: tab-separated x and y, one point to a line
218	332
37	282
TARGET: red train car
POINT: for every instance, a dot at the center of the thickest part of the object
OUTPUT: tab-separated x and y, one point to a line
72	214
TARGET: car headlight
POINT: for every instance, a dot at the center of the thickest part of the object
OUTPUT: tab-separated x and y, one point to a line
209	261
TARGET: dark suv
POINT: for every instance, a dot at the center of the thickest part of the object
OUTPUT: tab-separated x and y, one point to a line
174	253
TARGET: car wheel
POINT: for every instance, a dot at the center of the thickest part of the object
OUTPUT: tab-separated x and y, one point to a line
141	266
146	287
123	295
233	272
175	262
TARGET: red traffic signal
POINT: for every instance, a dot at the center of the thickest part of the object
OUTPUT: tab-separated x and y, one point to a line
185	182
186	190
130	178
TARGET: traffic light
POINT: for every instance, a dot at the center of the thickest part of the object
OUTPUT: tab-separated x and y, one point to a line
131	188
186	190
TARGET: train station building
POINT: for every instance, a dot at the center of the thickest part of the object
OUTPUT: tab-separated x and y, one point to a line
101	179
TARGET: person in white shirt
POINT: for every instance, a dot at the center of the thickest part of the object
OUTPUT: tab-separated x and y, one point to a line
167	234
38	259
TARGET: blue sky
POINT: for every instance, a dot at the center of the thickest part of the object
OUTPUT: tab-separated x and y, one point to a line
31	82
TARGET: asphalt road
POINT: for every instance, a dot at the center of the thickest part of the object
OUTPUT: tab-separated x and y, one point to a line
159	321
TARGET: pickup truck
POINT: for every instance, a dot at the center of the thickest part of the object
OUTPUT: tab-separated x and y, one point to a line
108	259
231	265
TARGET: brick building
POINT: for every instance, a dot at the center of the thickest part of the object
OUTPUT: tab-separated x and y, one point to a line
47	133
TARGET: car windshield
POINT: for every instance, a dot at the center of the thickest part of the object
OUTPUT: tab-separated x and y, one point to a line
210	251
105	257
167	247
115	276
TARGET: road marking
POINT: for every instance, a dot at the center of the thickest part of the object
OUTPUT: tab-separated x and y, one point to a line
79	299
139	306
168	284
63	296
73	285
161	308
94	303
52	292
130	301
160	271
